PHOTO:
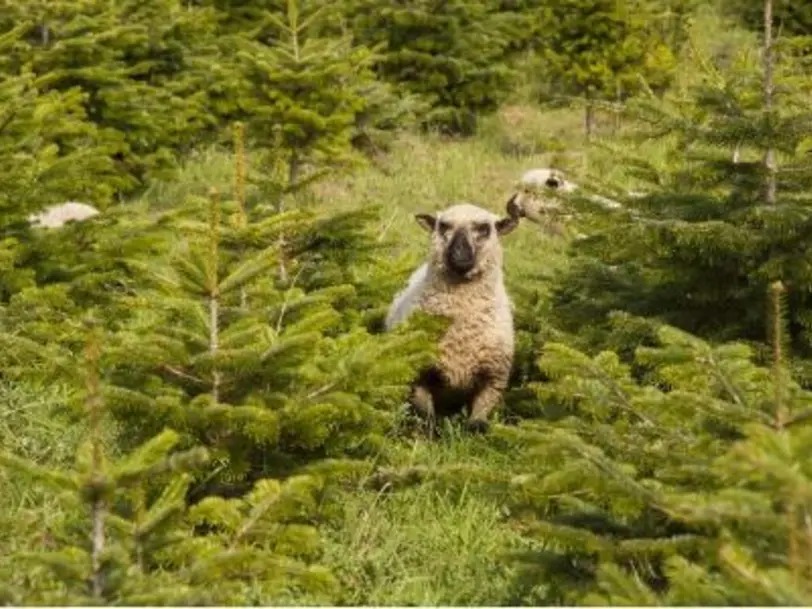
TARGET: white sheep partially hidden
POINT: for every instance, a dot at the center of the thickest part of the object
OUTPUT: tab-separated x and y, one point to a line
536	193
546	177
56	216
537	198
462	280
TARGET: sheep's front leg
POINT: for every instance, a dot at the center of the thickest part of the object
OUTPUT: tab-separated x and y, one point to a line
423	401
485	401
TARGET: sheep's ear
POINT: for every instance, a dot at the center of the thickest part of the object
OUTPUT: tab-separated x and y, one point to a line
514	208
506	226
427	221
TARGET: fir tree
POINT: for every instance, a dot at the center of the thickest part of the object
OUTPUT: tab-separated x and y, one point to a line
725	215
127	536
48	150
138	65
452	54
603	50
743	491
300	94
664	491
272	373
790	18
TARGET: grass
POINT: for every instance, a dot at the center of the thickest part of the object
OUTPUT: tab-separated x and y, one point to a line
422	545
32	428
428	544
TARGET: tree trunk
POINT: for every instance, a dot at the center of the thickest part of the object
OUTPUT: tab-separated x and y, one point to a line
98	509
769	155
214	342
589	119
214	290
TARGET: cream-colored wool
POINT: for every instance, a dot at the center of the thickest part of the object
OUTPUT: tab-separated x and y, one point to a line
56	216
536	197
538	189
476	351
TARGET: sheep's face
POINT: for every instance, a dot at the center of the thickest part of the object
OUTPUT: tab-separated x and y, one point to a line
545	180
465	239
536	197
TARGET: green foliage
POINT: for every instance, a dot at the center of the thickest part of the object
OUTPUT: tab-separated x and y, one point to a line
791	18
254	435
50	153
698	250
664	491
452	54
302	86
301	93
128	536
603	49
136	64
264	363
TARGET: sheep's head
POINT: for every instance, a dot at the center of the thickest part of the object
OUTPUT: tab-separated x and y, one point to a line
545	179
536	197
465	239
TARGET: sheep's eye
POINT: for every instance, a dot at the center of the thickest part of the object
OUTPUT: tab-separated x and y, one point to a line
443	228
552	183
483	231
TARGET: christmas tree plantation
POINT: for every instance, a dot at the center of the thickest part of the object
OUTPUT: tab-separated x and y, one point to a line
199	403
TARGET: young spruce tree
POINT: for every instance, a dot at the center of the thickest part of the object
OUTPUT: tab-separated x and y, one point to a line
270	366
127	537
138	65
298	93
685	488
603	50
453	54
686	482
727	214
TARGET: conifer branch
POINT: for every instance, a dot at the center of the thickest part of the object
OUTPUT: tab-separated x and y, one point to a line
320	391
799	418
286	302
139	509
181	374
781	417
726	383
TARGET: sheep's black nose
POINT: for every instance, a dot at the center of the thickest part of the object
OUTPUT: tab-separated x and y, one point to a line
460	254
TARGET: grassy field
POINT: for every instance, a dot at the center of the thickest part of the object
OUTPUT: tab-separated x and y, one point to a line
421	546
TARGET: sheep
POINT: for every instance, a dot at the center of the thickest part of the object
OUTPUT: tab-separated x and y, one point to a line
56	216
537	188
536	199
463	281
549	177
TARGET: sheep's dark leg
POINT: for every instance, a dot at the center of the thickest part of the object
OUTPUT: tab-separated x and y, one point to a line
485	401
423	401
